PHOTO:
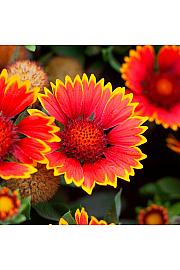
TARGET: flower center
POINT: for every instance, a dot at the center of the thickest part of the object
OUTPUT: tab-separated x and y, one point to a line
7	135
164	87
84	140
6	204
162	90
154	218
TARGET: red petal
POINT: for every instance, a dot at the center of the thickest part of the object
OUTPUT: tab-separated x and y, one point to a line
92	95
55	159
3	80
70	97
72	169
102	102
38	126
17	98
117	109
169	59
28	150
93	173
127	133
51	105
94	221
10	170
81	217
138	67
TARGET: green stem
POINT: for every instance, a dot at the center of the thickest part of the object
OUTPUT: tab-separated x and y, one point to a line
109	57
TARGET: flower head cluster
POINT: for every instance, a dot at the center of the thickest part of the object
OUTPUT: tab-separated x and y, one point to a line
100	133
82	218
22	140
29	70
153	215
41	186
155	82
9	204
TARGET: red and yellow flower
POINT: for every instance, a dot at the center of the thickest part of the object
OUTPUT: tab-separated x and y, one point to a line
9	203
22	142
173	144
155	82
82	218
99	135
153	215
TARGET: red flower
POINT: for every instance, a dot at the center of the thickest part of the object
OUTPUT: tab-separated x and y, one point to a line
155	82
153	215
21	141
9	203
100	133
81	218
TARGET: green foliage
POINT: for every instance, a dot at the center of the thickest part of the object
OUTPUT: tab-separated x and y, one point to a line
51	210
21	116
175	209
108	56
68	217
30	48
167	188
114	212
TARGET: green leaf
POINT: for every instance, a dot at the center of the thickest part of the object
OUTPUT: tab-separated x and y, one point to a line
117	201
51	210
26	207
114	212
30	48
170	186
68	217
175	209
148	189
19	219
21	117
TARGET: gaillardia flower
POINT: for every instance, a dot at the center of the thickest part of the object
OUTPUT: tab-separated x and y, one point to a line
81	218
41	186
153	215
99	134
22	141
155	82
173	144
29	70
9	203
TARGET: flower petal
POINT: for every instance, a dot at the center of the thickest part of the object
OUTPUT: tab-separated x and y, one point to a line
94	221
39	126
169	59
51	105
70	96
139	65
118	109
92	94
81	217
28	150
10	170
17	97
71	169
